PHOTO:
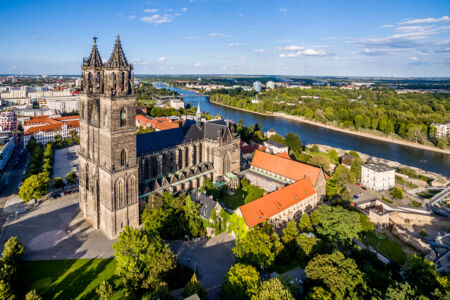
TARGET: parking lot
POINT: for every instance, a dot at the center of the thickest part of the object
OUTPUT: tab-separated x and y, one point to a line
66	160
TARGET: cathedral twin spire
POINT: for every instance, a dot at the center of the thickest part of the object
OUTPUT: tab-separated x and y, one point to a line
117	59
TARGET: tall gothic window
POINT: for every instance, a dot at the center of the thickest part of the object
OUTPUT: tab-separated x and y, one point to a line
122	80
123	117
113	78
98	80
90	82
123	157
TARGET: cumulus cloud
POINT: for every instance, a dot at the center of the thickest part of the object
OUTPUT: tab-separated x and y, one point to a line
217	34
162	59
294	48
198	65
235	44
157	19
426	21
150	10
259	50
303	52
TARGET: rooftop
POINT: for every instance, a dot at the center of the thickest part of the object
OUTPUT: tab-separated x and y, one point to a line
378	167
272	204
274	144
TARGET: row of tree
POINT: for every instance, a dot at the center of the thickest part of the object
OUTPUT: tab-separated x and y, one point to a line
409	116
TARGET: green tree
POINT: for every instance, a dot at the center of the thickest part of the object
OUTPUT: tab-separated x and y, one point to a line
6	291
141	260
290	233
354	154
305	223
319	293
194	287
397	193
359	120
374	124
333	155
338	274
277	138
400	291
241	282
314	149
58	183
416	134
356	168
13	251
306	244
34	187
32	295
104	290
71	177
321	161
31	144
342	175
422	275
337	223
366	225
273	289
294	143
256	249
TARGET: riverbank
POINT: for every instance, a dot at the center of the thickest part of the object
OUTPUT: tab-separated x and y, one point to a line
343	130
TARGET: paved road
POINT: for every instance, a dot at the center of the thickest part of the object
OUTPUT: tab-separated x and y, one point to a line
210	258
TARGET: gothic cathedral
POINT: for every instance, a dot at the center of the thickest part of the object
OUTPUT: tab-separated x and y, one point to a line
108	170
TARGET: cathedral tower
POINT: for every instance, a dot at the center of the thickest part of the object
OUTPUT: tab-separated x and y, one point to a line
107	157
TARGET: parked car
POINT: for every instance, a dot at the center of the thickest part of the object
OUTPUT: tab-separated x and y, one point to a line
358	184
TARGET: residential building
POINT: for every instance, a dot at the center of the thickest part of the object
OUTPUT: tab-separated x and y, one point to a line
270	132
346	160
7	145
176	103
8	121
65	104
378	177
270	85
45	129
442	129
275	148
257	86
207	205
282	205
158	124
271	172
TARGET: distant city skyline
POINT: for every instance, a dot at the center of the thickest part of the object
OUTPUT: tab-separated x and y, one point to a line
355	38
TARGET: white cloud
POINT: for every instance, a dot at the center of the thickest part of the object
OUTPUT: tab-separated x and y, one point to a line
294	48
162	59
132	17
235	44
157	19
387	26
283	10
426	21
415	58
259	50
190	37
303	52
198	65
217	34
151	10
241	15
184	9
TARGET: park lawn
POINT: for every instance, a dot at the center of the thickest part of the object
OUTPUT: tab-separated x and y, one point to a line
241	196
391	249
68	278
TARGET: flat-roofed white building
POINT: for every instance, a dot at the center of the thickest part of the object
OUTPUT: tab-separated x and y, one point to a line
378	177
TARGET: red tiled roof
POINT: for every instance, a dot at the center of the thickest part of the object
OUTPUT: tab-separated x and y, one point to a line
249	148
285	167
142	119
269	205
49	124
158	123
284	155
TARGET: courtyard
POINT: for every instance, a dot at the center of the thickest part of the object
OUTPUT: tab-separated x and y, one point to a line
65	160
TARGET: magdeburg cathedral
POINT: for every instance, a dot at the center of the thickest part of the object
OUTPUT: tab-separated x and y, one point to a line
118	169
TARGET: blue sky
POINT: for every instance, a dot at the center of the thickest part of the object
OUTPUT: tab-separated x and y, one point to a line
339	38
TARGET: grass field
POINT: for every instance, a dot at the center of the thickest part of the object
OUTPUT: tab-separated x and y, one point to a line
69	278
391	249
78	278
242	196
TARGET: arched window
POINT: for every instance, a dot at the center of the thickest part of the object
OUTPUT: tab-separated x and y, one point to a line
122	81
90	82
87	178
123	157
113	79
97	81
123	116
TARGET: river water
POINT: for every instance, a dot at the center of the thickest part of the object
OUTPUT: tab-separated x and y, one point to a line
310	134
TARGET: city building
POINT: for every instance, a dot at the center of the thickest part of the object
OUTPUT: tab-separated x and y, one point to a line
118	167
45	129
378	177
347	159
257	86
6	148
275	148
66	104
271	172
8	121
176	103
207	205
270	85
282	205
270	132
442	130
159	124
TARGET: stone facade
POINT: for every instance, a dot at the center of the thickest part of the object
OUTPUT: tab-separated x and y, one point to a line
116	168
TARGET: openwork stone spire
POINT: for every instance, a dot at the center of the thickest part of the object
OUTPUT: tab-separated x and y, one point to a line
94	59
117	59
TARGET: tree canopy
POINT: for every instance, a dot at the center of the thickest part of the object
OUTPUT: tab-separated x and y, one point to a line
241	282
